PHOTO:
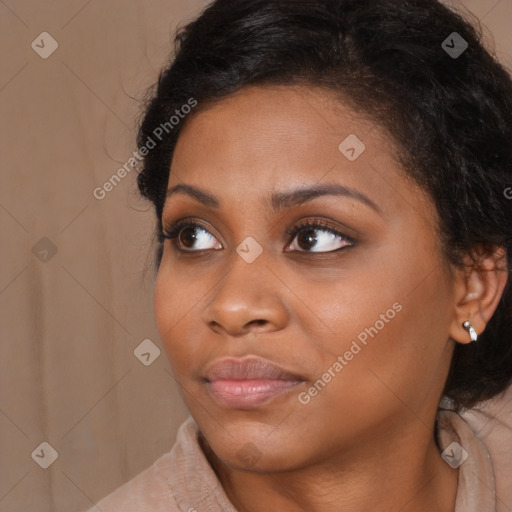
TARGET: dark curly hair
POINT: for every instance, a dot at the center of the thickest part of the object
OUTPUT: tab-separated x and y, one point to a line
450	116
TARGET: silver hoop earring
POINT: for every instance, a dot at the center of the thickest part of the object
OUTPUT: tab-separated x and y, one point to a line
472	332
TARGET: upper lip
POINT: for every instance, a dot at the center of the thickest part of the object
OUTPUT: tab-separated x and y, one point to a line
248	368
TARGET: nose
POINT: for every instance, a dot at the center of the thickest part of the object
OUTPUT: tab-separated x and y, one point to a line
248	298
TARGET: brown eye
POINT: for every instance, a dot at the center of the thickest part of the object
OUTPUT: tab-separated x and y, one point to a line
187	237
315	236
307	239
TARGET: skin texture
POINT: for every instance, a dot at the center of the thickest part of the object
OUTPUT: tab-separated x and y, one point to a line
365	441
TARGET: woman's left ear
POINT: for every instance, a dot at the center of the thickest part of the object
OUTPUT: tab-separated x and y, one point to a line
478	291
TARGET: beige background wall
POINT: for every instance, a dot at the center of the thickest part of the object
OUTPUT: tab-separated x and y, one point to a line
71	319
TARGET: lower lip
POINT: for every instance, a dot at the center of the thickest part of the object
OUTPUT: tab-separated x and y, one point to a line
248	393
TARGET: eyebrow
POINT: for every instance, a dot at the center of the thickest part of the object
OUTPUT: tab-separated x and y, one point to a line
280	200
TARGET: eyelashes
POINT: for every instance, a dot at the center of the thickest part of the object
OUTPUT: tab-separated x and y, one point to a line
331	235
312	225
173	232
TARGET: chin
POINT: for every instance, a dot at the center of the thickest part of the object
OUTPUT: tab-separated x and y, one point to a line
256	447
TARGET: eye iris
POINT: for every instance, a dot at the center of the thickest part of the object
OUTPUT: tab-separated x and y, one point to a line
191	238
308	238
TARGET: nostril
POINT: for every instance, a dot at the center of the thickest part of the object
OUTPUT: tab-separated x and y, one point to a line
257	322
214	326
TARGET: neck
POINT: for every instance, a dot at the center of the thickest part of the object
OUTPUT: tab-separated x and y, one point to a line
386	475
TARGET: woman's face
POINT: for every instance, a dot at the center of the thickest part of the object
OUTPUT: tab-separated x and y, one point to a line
358	310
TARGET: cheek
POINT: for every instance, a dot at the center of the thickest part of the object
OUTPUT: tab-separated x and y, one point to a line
179	299
376	372
164	304
389	324
172	306
393	345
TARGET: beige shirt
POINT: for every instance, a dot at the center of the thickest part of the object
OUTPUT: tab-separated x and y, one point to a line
182	480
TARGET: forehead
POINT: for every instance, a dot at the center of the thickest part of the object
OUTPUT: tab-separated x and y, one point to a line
294	125
270	139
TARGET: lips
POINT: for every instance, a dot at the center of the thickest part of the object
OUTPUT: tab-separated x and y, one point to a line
247	383
249	368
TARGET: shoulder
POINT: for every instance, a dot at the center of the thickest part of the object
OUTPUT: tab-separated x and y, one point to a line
151	489
146	491
491	421
485	434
